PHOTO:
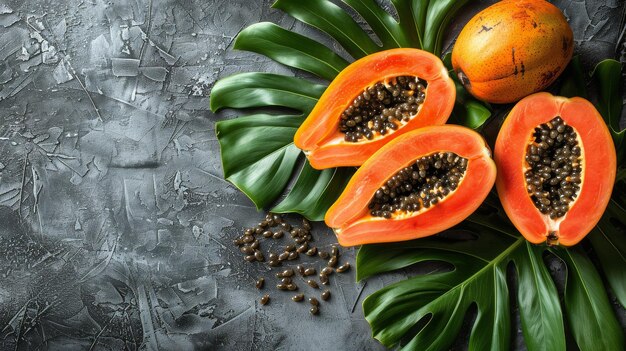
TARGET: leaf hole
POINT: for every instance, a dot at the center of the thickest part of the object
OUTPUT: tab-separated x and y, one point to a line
557	269
517	339
411	333
462	339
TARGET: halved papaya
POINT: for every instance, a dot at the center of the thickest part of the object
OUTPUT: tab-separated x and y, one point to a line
372	101
419	184
556	168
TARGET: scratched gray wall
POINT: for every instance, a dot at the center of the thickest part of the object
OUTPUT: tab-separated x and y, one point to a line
115	223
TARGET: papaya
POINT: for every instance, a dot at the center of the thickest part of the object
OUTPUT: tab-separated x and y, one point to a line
420	183
556	168
512	49
372	101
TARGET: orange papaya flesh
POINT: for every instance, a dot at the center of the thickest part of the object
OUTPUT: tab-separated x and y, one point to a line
351	215
321	136
589	173
512	49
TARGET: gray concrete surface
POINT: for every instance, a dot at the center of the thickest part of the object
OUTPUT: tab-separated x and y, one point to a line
115	222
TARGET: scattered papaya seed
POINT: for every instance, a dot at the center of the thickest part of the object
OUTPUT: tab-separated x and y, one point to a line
325	295
249	244
343	267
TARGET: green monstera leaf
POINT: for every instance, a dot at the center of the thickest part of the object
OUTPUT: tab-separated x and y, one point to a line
574	80
427	311
608	239
608	76
291	49
304	198
258	155
262	172
591	318
468	111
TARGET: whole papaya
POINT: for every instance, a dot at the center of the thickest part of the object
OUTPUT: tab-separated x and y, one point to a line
512	49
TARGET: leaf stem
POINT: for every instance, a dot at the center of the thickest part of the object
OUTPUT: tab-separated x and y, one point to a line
496	260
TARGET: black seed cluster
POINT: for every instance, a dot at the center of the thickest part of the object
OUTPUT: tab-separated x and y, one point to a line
420	185
291	277
382	108
554	174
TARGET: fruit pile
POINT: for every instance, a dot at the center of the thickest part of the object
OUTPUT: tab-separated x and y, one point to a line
542	166
409	120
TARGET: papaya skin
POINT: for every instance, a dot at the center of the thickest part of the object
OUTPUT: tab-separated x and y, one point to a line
512	49
350	218
598	177
319	135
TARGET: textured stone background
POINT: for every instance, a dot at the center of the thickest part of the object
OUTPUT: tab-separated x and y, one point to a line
115	223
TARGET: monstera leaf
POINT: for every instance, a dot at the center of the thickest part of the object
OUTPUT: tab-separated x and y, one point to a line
428	311
573	80
258	155
314	192
608	76
468	111
608	239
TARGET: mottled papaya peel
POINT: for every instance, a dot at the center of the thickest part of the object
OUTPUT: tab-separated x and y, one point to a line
512	49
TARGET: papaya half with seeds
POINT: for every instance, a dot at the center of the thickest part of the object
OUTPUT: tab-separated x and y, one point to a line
372	101
556	168
512	49
419	184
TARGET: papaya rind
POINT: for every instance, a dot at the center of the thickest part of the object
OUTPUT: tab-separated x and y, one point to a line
319	135
599	167
349	215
